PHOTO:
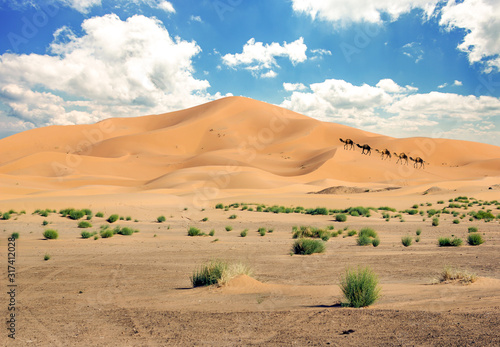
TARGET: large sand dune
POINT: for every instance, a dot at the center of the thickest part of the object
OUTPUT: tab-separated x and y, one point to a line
232	143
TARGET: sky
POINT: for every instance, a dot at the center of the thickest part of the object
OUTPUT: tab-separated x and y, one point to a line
407	68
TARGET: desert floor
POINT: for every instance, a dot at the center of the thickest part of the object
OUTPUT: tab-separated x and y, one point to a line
136	290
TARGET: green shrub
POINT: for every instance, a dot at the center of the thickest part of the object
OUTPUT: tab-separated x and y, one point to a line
46	257
6	216
475	239
456	221
84	224
233	216
340	217
366	236
435	222
318	211
406	241
447	242
50	234
262	231
360	288
417	239
86	234
352	233
308	246
128	218
368	232
192	231
218	272
126	231
14	236
204	219
99	214
386	208
219	206
364	240
106	233
113	218
376	242
229	228
472	230
244	233
212	232
161	219
308	231
76	214
418	232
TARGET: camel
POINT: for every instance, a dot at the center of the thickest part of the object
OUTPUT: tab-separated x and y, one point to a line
347	143
401	157
417	161
385	153
366	148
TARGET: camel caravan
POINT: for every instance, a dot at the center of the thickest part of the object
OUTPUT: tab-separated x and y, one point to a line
385	154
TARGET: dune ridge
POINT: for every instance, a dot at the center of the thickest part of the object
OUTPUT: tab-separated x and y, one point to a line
230	143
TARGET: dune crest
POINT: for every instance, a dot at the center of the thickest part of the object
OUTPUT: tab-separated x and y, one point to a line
230	143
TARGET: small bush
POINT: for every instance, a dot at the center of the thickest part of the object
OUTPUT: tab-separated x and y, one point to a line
6	216
455	275
84	224
368	232
50	234
244	233
376	242
76	214
360	288
161	219
340	217
229	228
86	234
99	214
128	218
262	231
364	240
447	242
212	232
475	239
125	231
14	236
406	241
435	222
106	233
113	218
418	232
308	246
192	231
233	216
472	230
456	221
204	219
352	233
218	272
46	257
219	206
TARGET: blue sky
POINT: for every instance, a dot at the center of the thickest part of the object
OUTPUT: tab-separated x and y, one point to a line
411	68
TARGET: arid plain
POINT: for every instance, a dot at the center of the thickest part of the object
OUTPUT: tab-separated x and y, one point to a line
247	156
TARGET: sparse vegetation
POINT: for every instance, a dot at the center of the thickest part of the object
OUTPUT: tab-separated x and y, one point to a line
212	232
366	237
46	257
244	233
472	230
107	233
113	218
435	222
86	234
218	272
50	234
229	228
312	232
84	224
204	219
233	216
99	214
448	242
340	217
6	216
14	235
406	241
455	275
161	219
219	206
418	232
262	231
360	287
456	221
305	246
376	242
475	239
192	231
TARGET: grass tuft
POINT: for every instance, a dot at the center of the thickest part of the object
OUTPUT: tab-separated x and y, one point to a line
406	241
308	246
218	272
454	275
360	287
475	239
448	242
84	224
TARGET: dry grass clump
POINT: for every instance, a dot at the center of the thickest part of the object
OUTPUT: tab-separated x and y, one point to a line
218	272
450	275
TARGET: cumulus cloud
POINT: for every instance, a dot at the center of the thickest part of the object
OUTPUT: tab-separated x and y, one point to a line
269	74
196	19
389	108
290	87
116	68
481	21
343	12
257	56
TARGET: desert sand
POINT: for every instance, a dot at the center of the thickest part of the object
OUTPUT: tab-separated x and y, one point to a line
136	290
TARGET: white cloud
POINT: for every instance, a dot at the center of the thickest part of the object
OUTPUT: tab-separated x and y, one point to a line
343	12
269	74
413	50
116	68
389	108
196	19
166	6
257	57
481	21
290	87
81	5
458	83
441	86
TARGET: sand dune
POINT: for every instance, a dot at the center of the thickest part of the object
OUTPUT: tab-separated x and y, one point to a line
231	143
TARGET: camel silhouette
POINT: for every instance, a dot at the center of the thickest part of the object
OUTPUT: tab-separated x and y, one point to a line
417	161
401	157
385	153
366	148
347	143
